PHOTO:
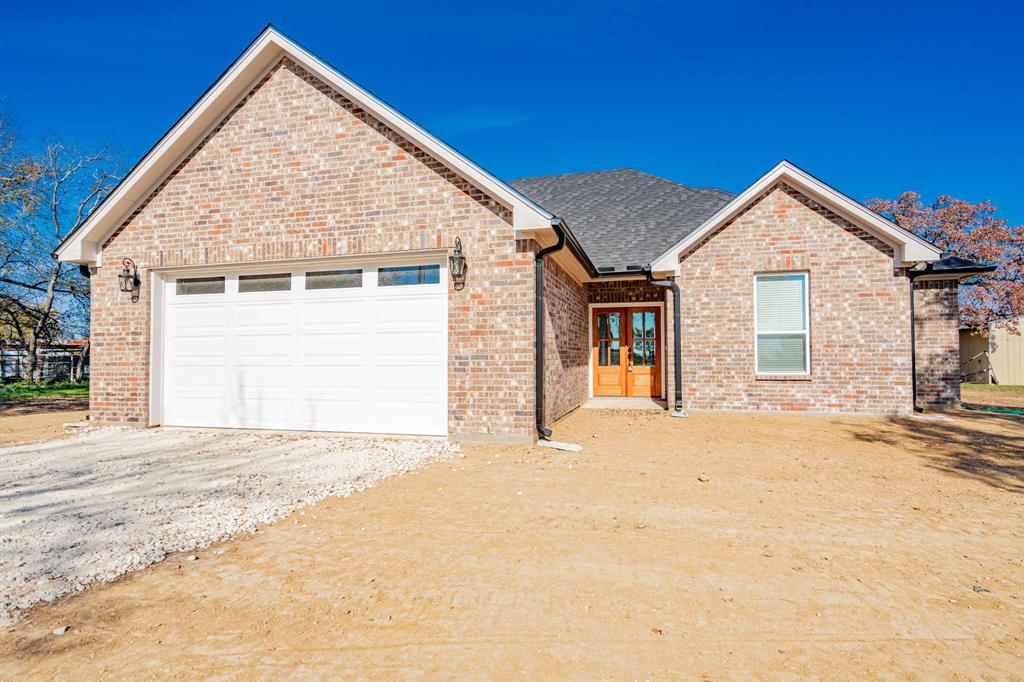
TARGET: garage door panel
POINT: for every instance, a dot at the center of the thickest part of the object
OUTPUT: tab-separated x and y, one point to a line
268	346
335	313
331	345
410	377
194	348
250	378
343	379
368	359
407	311
196	410
208	318
262	414
409	344
334	415
407	416
265	315
195	376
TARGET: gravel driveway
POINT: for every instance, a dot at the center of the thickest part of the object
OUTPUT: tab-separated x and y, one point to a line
108	501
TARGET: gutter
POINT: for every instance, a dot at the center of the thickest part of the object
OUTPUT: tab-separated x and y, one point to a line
677	346
558	226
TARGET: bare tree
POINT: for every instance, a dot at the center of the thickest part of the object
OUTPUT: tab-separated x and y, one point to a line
18	174
67	186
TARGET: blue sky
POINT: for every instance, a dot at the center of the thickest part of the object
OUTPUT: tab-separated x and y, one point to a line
872	98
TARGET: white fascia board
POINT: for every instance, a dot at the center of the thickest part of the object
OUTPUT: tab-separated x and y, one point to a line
908	247
237	81
79	251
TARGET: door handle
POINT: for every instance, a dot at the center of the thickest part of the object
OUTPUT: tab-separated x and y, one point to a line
629	359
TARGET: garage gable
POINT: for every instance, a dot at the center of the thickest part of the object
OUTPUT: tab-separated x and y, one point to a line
296	175
266	56
297	170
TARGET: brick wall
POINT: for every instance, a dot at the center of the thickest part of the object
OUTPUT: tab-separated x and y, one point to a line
624	291
566	349
860	346
297	171
937	328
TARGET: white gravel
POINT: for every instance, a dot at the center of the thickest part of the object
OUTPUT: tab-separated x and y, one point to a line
108	501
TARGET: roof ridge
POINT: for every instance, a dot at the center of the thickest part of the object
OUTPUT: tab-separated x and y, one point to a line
667	181
565	175
625	169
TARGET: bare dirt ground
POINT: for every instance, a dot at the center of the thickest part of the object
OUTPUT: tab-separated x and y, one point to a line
27	423
835	548
106	501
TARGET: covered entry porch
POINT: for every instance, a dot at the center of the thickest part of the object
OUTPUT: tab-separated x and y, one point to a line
627	333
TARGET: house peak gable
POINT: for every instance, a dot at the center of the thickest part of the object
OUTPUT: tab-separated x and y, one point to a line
908	248
84	245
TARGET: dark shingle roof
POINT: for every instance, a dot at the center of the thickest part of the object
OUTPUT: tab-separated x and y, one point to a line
623	217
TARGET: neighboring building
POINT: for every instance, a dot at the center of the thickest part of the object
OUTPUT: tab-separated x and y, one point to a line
292	236
57	361
996	357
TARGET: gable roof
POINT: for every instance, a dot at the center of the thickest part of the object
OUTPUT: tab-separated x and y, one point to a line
269	47
908	247
623	217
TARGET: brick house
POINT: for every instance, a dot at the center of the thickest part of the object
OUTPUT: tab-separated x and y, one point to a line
287	257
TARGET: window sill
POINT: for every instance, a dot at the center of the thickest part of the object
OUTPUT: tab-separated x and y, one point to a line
782	377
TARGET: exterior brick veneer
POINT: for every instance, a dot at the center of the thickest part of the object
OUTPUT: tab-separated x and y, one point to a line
937	328
566	343
624	291
860	342
297	171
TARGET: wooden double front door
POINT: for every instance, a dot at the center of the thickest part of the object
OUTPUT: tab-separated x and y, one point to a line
627	351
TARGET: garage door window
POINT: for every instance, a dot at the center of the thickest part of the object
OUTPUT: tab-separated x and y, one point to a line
192	286
409	274
334	279
254	283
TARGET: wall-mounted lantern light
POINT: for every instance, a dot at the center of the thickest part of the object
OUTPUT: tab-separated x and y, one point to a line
457	266
129	279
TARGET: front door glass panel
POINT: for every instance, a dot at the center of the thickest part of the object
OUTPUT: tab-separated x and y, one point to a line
644	336
609	339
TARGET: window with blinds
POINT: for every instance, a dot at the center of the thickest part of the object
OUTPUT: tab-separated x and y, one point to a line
782	329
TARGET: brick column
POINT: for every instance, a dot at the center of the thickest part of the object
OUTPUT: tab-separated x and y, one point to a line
937	326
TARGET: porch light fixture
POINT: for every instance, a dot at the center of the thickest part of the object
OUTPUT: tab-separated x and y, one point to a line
457	266
129	279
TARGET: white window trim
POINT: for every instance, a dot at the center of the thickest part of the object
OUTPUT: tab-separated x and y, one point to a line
806	330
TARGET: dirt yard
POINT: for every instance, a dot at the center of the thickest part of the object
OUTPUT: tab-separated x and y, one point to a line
107	501
713	547
37	420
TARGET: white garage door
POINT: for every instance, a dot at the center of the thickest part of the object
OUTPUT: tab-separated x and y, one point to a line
321	349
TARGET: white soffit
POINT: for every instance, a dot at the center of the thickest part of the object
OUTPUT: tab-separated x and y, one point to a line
267	50
909	247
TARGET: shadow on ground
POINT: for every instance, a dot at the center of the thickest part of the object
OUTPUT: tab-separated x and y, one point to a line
983	446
